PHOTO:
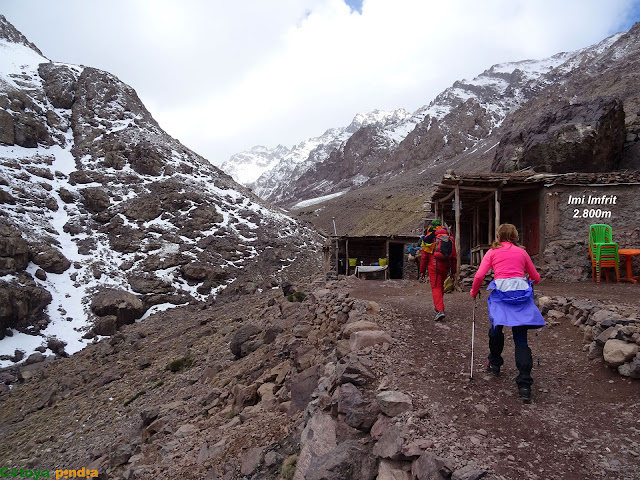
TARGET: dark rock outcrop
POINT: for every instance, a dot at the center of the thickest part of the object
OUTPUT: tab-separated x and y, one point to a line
6	128
59	84
14	250
22	306
96	199
583	137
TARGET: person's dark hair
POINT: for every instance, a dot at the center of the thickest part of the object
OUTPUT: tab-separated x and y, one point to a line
506	233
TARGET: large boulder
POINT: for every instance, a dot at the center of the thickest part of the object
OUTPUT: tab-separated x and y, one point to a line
6	128
349	460
95	199
302	385
195	271
148	283
431	467
125	306
51	260
317	439
580	137
146	159
244	340
22	306
631	369
30	131
617	352
394	403
14	250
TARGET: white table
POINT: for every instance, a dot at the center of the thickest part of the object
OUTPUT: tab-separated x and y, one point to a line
372	268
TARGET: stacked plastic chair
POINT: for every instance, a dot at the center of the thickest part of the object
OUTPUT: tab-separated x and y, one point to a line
603	251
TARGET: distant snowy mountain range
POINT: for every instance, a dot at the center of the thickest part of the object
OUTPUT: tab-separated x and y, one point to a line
263	168
304	172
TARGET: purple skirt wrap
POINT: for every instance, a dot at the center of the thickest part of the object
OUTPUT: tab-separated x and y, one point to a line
513	308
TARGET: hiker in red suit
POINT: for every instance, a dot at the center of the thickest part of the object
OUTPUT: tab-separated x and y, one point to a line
439	263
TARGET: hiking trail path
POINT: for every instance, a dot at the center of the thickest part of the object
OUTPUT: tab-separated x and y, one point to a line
584	418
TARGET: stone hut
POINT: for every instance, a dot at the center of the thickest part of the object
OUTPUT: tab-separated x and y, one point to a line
552	212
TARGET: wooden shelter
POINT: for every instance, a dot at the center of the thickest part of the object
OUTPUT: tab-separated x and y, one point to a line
536	203
368	250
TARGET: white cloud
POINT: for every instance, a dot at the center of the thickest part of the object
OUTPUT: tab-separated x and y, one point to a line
225	76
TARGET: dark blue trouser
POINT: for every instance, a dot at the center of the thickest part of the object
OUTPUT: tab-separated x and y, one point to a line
524	360
519	334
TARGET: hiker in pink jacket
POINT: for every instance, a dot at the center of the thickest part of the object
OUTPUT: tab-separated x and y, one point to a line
511	303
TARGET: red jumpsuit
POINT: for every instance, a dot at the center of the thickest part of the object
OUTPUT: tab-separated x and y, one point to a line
438	271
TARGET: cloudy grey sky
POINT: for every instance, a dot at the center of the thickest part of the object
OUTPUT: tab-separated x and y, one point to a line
224	76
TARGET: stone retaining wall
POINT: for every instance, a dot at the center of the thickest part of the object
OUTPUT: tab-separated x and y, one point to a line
610	332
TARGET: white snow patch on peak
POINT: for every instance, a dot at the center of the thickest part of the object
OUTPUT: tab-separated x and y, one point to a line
246	167
16	59
380	117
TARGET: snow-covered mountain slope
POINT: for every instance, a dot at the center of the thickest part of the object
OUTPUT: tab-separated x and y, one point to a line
105	217
458	120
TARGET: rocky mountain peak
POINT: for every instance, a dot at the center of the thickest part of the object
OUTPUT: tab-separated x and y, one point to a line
9	33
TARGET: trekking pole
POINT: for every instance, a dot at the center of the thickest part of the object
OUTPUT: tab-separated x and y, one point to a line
537	349
473	335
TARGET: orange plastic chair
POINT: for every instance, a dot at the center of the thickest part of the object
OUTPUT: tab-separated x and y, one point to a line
608	257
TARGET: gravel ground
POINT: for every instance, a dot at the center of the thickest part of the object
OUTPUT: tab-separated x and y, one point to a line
583	421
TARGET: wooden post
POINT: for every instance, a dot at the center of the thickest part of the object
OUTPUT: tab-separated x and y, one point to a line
498	195
458	259
436	210
475	236
491	233
335	232
346	255
386	272
476	227
521	229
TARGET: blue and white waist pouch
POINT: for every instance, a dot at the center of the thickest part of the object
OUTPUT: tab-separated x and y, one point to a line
511	303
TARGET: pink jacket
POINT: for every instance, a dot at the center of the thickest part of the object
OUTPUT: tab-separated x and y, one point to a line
507	261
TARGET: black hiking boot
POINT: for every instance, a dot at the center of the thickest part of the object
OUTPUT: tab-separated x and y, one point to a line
524	363
494	369
525	393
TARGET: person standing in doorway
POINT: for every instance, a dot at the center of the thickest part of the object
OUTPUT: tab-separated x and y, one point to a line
511	303
439	259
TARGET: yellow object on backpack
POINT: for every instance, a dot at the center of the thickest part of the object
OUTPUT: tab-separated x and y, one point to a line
428	247
448	284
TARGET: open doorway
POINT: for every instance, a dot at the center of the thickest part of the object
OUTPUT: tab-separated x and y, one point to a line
396	260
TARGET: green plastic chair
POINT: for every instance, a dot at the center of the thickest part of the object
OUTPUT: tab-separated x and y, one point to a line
600	233
602	250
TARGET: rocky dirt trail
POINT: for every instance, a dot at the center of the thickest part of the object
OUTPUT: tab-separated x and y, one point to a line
240	389
583	422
